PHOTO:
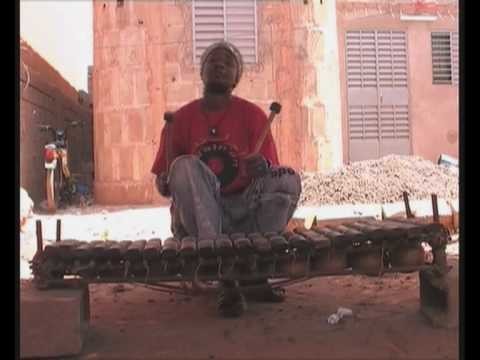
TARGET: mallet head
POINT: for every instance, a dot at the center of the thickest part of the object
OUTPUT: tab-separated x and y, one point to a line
168	117
275	107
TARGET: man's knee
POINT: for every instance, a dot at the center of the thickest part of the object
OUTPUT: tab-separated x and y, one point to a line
188	169
285	179
183	164
181	169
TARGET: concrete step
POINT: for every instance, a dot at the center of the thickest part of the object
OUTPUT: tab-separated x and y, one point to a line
439	296
52	322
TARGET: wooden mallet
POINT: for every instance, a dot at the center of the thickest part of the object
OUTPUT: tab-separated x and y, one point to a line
168	117
274	110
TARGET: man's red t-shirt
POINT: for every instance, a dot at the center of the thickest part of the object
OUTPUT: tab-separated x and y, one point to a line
236	132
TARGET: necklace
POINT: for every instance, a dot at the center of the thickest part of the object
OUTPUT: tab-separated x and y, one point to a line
213	129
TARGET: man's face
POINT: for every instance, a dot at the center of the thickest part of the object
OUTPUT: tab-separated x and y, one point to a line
220	71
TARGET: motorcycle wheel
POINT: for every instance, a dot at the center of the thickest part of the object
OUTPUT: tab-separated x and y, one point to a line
50	183
67	193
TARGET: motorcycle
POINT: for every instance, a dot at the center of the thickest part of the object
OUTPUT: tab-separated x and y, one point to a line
60	185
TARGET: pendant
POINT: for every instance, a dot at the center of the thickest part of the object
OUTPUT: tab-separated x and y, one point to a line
213	131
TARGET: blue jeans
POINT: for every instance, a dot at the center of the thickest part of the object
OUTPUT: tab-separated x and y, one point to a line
199	209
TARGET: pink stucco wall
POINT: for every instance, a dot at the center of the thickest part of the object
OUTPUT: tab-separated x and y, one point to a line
434	113
434	108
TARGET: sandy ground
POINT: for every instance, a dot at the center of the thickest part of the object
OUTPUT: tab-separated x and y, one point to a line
139	323
132	322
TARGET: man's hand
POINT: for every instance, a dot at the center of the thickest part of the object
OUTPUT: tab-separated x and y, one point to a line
256	165
162	184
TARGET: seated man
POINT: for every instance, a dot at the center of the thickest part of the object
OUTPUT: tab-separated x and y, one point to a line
216	184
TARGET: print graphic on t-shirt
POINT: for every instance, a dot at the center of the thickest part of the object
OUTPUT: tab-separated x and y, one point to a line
221	158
